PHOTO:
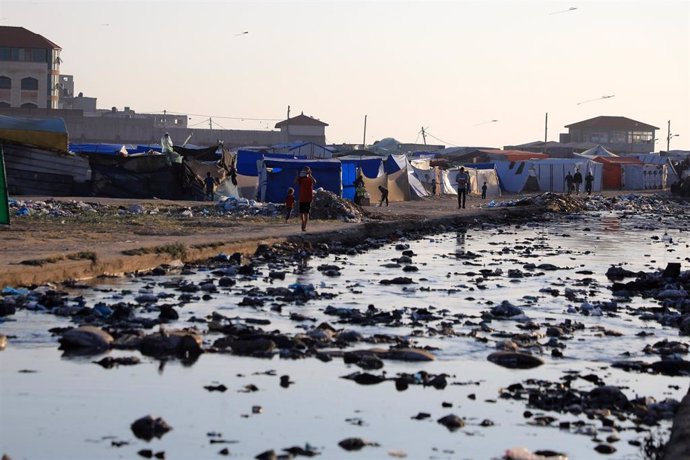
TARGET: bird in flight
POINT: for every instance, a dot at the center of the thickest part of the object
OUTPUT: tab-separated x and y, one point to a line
572	8
597	99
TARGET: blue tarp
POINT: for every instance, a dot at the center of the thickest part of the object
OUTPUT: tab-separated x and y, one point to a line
370	167
101	149
246	162
277	175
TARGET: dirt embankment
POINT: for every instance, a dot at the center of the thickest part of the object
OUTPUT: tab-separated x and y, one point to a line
52	248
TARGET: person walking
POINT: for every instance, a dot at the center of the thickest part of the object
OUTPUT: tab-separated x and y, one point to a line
484	187
577	181
463	181
210	184
569	183
384	195
433	186
306	184
289	203
589	180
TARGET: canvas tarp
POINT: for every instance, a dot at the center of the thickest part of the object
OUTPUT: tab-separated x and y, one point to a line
370	167
46	133
447	187
594	152
654	159
277	175
402	187
643	176
372	187
477	179
546	175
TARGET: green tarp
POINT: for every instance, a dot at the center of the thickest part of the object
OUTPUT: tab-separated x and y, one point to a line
4	204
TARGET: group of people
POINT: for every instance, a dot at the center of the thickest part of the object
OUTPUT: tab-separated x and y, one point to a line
573	182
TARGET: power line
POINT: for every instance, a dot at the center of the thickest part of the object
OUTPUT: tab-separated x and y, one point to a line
213	116
441	140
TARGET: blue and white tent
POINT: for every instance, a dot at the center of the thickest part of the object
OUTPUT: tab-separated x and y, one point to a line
276	175
370	166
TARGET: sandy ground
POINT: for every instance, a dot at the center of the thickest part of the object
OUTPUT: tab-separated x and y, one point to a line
40	249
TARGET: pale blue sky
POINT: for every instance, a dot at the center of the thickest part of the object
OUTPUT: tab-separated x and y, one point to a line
448	66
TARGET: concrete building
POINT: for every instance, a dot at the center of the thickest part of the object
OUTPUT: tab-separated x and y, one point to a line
68	100
29	69
303	128
617	134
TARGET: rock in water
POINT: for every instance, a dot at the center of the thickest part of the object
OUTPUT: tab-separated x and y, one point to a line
147	428
608	397
352	443
86	338
452	422
514	360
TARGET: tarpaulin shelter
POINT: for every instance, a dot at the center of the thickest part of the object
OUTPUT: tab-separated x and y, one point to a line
403	185
656	159
247	163
477	179
613	171
547	175
370	166
596	151
37	161
307	150
277	175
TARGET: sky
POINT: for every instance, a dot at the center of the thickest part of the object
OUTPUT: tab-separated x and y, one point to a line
450	67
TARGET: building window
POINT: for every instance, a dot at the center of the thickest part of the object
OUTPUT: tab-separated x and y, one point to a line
599	138
29	105
639	137
618	137
29	83
5	53
39	55
5	83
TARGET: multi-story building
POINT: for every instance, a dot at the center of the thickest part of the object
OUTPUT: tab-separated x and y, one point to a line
29	69
303	128
618	134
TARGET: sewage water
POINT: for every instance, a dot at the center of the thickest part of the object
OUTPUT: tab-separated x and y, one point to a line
58	407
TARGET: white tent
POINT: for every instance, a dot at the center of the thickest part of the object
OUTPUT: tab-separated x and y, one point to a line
477	179
594	152
403	185
547	175
656	159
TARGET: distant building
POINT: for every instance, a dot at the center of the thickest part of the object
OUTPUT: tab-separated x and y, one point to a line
303	128
68	100
29	69
618	134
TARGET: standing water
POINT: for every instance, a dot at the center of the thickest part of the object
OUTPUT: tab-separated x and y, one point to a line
434	293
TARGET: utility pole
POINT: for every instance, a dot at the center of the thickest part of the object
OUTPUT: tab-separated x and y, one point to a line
546	131
364	139
287	127
668	137
210	123
424	135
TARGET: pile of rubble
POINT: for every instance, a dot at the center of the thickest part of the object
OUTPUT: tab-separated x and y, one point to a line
558	202
328	205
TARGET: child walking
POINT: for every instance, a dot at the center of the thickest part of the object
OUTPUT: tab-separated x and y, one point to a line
484	187
289	202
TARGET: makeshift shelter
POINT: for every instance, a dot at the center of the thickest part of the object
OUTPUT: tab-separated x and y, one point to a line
276	175
306	150
614	174
477	179
597	151
403	185
36	158
370	166
547	175
656	159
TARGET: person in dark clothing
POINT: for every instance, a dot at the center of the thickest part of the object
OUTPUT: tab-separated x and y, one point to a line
289	202
210	184
359	190
484	187
577	181
384	195
433	186
463	181
589	180
569	183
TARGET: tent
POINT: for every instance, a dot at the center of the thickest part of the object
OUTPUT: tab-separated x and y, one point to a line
613	172
403	185
370	166
597	151
276	175
547	175
656	159
477	179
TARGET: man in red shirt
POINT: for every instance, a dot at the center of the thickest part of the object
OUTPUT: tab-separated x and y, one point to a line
306	194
